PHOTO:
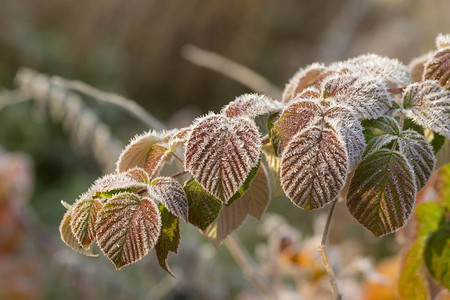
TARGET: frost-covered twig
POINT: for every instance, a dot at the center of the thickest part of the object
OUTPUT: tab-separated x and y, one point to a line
13	97
231	69
125	103
78	120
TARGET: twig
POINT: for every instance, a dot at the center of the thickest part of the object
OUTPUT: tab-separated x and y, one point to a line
231	69
181	173
249	268
323	252
125	103
13	97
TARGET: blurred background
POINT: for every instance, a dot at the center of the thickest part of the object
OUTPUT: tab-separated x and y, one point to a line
133	48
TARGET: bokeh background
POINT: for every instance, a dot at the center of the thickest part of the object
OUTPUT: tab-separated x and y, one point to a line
133	48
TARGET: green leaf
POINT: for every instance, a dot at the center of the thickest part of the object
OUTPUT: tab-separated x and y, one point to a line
127	228
412	281
203	207
169	238
379	133
69	239
435	139
254	202
382	192
244	187
437	255
430	216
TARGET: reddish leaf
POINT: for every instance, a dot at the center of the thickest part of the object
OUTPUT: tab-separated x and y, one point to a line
314	167
251	105
296	117
221	152
84	218
69	239
128	227
438	68
312	75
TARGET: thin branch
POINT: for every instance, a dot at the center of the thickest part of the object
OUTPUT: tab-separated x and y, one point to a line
125	103
231	69
181	173
249	268
323	252
13	97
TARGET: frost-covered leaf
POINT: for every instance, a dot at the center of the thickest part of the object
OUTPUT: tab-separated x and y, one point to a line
367	96
221	152
149	151
382	192
297	116
412	280
127	228
169	192
419	154
391	71
251	105
69	239
112	184
169	238
84	218
417	65
203	207
379	133
138	175
352	134
428	104
443	41
301	80
135	154
437	255
314	167
254	202
438	68
156	157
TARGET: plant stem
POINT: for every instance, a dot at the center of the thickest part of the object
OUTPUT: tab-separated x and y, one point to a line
127	104
249	268
323	252
179	174
231	69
